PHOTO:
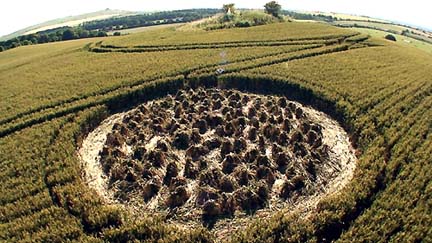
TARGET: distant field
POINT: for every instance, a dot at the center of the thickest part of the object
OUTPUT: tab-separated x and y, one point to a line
372	24
52	95
346	16
67	21
70	23
401	39
346	20
380	34
427	36
147	28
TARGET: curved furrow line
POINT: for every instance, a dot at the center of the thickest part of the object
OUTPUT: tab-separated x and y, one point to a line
68	107
108	90
348	36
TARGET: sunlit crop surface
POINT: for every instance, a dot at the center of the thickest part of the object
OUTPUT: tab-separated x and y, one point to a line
53	95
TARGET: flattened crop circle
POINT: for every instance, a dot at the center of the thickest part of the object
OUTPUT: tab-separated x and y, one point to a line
211	155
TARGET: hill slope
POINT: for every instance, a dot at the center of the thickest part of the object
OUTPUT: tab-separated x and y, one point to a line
67	21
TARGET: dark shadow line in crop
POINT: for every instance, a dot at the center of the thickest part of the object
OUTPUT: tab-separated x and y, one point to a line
137	50
329	37
34	121
143	49
108	90
341	48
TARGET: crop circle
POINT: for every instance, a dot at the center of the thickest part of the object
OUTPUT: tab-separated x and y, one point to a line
212	154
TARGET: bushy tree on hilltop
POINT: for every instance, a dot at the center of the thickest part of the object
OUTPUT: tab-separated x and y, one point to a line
273	8
228	8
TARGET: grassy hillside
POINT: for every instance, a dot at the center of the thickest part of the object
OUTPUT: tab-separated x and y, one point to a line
53	94
67	21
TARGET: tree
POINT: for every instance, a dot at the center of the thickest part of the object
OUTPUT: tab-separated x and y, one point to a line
43	38
52	37
12	42
34	40
273	8
69	34
117	33
2	48
84	34
15	44
229	8
26	43
101	34
390	37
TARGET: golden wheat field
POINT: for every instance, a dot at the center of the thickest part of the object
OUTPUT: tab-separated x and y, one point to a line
286	132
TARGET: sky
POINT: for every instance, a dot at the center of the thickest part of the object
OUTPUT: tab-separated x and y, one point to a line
16	15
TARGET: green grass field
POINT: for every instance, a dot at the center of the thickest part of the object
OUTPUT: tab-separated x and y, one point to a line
53	94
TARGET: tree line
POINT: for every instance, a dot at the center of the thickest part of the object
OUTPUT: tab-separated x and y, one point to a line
148	19
306	16
52	35
99	28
